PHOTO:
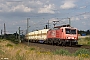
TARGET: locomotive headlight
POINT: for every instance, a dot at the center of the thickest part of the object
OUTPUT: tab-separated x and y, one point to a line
72	37
68	37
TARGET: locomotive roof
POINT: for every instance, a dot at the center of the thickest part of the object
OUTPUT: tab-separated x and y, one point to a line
62	26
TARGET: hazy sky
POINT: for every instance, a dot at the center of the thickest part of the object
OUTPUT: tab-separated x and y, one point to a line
14	13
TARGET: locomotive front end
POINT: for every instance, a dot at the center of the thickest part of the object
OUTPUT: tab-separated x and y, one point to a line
71	35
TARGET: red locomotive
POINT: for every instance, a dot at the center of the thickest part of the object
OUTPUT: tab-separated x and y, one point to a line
60	35
64	35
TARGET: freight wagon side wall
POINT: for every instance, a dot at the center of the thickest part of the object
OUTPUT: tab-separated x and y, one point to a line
42	34
37	35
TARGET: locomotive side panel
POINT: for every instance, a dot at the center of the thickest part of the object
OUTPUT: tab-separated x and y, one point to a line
59	34
51	34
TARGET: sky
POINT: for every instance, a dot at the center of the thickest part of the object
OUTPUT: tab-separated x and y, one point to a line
14	13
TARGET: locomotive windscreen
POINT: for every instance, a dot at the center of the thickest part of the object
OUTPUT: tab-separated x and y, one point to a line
70	31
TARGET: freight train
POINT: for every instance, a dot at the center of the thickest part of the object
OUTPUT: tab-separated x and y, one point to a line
64	35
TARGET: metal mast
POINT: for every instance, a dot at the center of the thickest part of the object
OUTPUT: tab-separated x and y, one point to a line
27	25
4	29
48	24
69	21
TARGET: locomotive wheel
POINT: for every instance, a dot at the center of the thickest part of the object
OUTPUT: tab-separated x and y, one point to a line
62	44
58	43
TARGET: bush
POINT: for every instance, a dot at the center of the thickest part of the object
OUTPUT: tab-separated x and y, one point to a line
12	38
82	53
62	52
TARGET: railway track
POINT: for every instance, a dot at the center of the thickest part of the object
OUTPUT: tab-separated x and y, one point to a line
54	47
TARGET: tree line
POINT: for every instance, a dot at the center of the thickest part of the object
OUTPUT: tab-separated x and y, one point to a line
81	32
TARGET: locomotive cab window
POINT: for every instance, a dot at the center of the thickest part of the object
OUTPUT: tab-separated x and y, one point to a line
67	31
73	31
70	31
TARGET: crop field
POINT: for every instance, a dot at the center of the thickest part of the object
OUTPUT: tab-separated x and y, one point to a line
11	51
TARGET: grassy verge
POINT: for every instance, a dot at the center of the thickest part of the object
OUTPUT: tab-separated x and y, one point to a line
13	51
62	52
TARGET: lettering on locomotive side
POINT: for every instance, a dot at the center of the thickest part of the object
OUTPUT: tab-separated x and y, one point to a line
53	33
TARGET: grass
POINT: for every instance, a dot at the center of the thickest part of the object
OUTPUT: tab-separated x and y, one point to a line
82	53
84	41
32	48
88	43
62	52
1	52
23	52
9	45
